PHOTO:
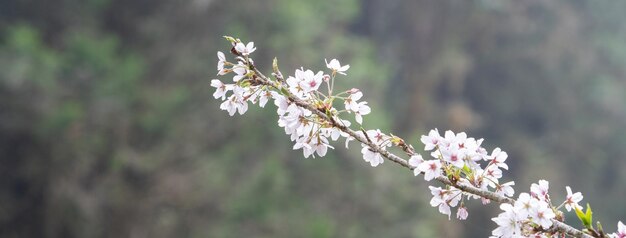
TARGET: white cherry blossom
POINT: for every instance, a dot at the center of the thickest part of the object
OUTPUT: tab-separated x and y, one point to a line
295	88
506	189
440	197
245	49
460	139
542	214
303	144
431	169
304	82
281	103
498	157
572	200
378	137
234	104
320	145
449	138
220	89
335	133
431	141
264	97
240	72
363	109
462	213
415	161
309	81
454	196
480	152
508	222
453	155
525	203
493	173
336	67
370	156
351	102
540	190
220	63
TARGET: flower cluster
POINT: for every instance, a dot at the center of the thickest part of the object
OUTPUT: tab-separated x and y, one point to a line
242	90
532	214
459	157
309	131
529	215
309	116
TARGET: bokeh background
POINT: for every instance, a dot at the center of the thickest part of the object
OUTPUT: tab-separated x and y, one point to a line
108	127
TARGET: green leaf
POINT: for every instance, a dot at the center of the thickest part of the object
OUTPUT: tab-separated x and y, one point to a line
589	214
284	91
328	114
275	65
466	169
231	39
585	218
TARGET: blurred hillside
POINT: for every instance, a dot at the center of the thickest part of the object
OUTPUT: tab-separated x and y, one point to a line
108	127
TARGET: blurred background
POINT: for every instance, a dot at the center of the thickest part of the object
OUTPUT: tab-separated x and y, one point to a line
108	127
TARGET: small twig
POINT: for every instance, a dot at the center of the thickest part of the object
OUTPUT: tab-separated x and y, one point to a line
366	136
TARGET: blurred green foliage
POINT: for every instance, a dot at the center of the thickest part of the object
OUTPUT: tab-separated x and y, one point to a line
108	127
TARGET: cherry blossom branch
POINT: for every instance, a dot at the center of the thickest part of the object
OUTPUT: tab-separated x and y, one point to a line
310	118
386	154
558	226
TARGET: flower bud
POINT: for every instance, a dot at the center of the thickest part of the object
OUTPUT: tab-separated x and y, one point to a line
326	78
353	91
